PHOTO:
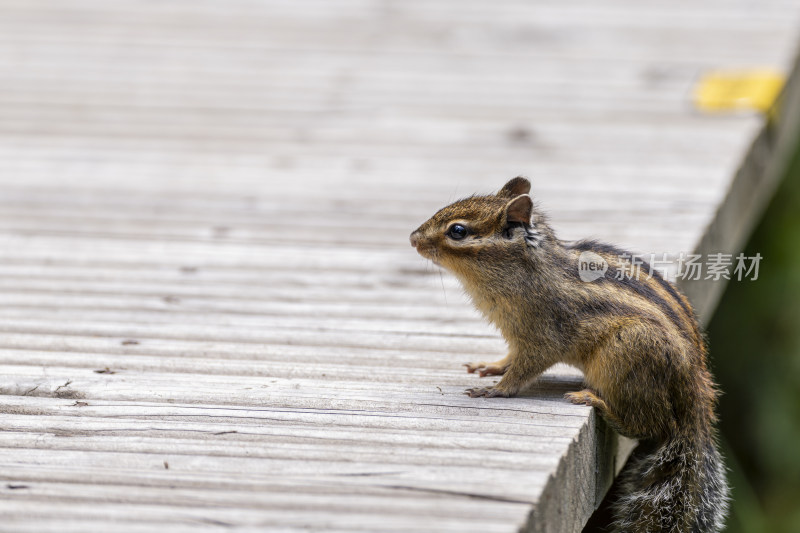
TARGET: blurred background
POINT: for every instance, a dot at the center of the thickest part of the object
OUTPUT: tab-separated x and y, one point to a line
755	355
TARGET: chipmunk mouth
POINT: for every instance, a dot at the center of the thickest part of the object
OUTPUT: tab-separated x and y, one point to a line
427	254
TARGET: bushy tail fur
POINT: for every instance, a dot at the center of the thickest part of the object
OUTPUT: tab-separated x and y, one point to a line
676	486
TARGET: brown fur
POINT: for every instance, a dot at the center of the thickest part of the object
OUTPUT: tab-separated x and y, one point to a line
637	342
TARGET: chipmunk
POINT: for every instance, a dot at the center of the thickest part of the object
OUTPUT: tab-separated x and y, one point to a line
634	336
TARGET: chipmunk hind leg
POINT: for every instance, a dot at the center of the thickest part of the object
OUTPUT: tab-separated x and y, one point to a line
630	376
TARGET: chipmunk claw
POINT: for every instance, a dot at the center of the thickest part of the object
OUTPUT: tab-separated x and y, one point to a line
486	392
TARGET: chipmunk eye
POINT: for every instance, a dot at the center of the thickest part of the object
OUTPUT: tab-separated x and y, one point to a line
457	232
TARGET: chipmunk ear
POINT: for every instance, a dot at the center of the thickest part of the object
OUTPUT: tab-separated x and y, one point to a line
515	187
519	209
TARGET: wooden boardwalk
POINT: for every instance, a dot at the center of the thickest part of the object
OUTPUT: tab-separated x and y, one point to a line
210	316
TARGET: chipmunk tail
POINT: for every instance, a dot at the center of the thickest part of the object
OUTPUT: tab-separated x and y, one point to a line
676	486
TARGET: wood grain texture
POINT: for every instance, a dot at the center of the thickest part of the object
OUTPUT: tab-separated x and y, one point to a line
210	317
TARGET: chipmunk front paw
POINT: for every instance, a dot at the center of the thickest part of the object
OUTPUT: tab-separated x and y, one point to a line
487	392
486	369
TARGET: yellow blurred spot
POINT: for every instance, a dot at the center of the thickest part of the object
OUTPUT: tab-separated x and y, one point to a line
738	90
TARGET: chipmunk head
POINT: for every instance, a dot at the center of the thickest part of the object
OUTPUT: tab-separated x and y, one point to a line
480	230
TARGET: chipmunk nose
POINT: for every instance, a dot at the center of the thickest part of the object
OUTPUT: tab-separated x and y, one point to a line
414	238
